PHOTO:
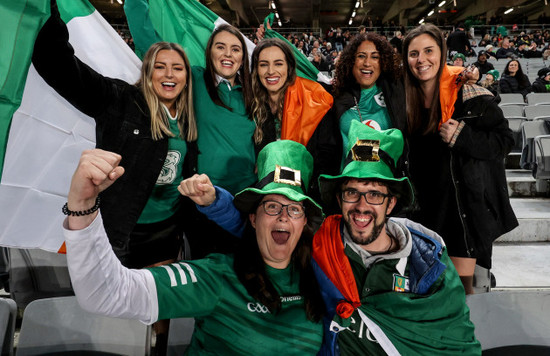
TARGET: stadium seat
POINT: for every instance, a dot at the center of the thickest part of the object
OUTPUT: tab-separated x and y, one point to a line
511	99
35	274
542	157
535	112
8	315
515	117
179	335
539	99
59	326
530	130
511	321
513	111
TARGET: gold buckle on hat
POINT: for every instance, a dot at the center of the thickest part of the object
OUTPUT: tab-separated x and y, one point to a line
366	151
286	175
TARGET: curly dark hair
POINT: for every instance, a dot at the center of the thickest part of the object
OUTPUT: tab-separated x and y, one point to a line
390	63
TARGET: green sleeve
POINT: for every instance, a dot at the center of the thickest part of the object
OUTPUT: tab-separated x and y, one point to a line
141	26
190	288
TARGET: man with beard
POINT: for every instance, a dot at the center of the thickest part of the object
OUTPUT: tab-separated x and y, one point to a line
388	283
482	64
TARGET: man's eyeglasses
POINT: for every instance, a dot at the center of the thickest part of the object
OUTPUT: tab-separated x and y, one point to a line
274	208
372	197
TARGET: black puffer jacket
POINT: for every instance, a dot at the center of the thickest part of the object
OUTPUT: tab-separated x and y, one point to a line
541	86
510	84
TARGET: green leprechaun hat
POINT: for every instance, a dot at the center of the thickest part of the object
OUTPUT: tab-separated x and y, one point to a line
284	167
372	154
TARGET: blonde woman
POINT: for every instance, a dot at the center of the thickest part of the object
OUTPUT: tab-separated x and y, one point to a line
150	123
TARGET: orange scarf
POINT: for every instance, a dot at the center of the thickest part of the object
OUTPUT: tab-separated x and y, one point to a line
328	252
449	85
306	103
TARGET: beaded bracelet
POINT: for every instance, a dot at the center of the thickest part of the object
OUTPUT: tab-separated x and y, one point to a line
94	208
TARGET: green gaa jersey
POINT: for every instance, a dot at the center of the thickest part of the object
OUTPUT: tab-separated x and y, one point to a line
227	319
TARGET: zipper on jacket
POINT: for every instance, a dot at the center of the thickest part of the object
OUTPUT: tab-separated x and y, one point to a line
460	214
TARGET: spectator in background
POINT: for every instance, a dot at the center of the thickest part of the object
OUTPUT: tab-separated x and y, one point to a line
397	41
513	80
482	64
506	50
485	40
542	83
459	60
458	41
491	81
489	49
502	31
319	62
339	40
527	50
315	51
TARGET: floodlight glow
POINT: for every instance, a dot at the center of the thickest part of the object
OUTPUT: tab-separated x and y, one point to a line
442	3
421	21
431	13
508	11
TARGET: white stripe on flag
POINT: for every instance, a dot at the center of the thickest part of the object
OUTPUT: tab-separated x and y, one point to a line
46	139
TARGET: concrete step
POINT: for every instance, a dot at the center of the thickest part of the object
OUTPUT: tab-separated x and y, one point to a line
521	184
512	160
521	265
533	215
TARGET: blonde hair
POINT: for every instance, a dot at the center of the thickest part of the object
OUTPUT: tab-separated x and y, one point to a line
160	126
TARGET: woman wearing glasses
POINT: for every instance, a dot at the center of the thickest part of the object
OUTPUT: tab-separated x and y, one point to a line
236	300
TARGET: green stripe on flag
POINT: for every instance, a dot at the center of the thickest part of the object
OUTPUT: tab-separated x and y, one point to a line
69	9
21	21
186	22
304	68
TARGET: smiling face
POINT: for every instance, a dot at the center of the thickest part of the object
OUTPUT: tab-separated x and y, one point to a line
277	236
272	69
365	222
458	62
226	55
513	67
366	68
169	76
424	59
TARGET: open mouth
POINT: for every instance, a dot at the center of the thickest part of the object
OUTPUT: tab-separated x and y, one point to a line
280	236
368	72
423	68
227	64
169	85
362	220
272	80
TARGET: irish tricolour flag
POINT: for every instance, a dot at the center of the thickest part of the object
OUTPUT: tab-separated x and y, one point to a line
190	24
41	135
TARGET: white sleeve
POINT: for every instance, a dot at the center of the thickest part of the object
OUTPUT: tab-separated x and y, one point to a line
101	283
